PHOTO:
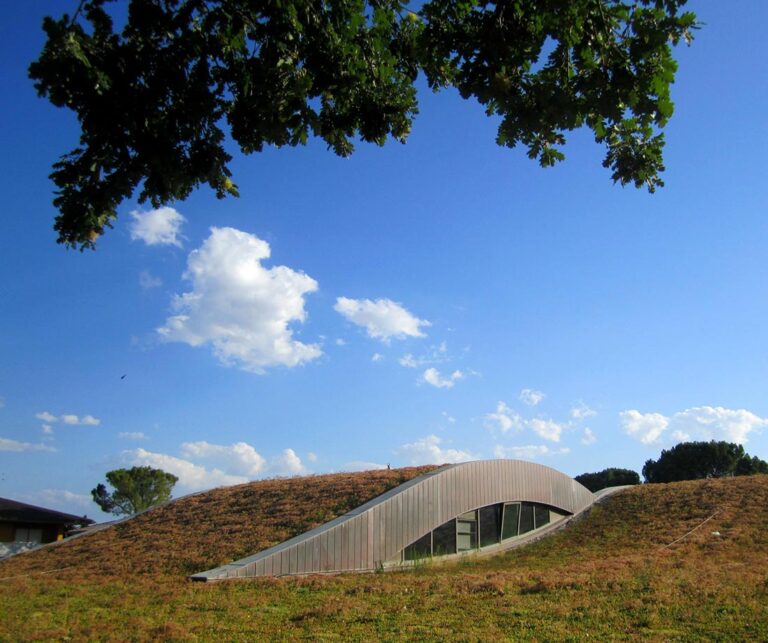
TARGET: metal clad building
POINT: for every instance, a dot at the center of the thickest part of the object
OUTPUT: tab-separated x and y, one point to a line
403	523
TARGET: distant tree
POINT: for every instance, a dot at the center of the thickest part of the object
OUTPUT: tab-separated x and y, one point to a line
157	100
611	477
695	460
135	490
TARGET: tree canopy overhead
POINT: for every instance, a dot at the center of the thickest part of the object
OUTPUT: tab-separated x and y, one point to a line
156	99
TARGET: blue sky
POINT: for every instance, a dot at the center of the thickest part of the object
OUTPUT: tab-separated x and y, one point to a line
442	300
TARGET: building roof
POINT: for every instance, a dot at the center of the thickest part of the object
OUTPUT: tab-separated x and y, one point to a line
14	511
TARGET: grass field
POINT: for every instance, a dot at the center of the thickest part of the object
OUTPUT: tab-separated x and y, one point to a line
629	570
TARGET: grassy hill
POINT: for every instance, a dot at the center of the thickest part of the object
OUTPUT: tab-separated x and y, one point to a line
643	565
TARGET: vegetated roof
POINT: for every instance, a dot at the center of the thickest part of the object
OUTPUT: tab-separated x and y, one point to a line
213	528
15	511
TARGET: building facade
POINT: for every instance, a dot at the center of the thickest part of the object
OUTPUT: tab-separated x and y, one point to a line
488	505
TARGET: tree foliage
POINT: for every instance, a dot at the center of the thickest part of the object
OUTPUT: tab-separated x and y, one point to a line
135	489
154	99
695	460
611	477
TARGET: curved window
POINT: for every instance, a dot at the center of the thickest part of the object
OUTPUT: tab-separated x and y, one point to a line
483	527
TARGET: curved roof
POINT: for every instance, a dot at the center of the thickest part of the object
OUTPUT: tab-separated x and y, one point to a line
374	533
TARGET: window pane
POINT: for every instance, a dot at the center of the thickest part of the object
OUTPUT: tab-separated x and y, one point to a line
511	517
466	538
526	517
541	514
445	539
422	548
490	525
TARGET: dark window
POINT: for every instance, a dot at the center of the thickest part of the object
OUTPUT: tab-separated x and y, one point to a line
541	514
422	548
490	525
445	539
466	531
526	517
511	518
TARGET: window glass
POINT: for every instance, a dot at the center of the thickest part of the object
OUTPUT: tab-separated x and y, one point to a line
541	515
490	525
444	539
466	534
511	518
526	517
422	548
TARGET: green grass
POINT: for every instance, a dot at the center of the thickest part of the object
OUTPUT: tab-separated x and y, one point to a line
610	576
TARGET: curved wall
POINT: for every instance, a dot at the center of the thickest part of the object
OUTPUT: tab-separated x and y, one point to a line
375	533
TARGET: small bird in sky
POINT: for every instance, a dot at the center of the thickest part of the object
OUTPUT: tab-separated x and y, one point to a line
122	377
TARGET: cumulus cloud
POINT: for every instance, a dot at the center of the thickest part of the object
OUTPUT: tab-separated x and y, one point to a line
449	417
382	319
239	458
588	437
148	281
68	418
531	397
311	456
239	307
697	423
645	427
409	361
427	450
507	419
547	429
192	477
361	465
46	417
160	227
132	435
47	429
60	500
528	452
6	444
287	464
432	376
377	357
581	412
504	419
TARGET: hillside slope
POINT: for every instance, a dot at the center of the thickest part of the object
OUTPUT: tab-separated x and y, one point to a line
681	561
213	528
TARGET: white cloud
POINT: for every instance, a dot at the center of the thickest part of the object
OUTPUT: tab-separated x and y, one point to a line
382	319
529	452
148	281
588	437
432	376
46	417
531	397
504	419
377	357
60	500
697	423
287	464
409	361
192	477
158	227
361	465
581	412
73	420
340	342
547	429
239	307
6	444
645	427
449	418
47	429
239	458
428	451
312	457
132	435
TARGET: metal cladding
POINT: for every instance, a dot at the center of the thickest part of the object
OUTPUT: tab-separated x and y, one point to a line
369	537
